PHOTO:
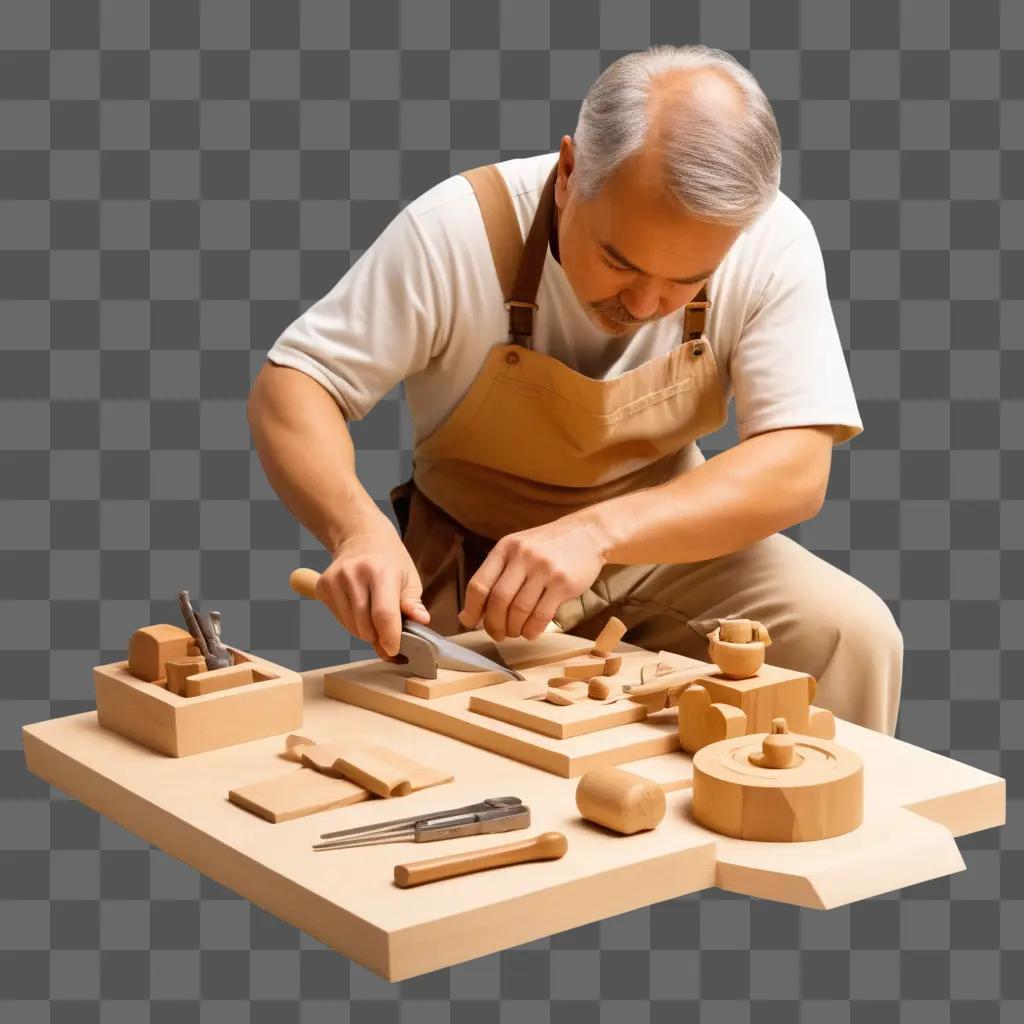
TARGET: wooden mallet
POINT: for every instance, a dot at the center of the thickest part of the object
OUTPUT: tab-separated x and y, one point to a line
624	801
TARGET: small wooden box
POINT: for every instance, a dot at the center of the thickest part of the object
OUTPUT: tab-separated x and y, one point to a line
152	715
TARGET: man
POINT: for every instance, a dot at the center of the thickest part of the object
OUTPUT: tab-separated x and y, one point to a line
558	386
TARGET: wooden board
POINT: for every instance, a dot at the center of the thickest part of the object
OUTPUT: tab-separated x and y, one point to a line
347	898
512	702
518	653
375	685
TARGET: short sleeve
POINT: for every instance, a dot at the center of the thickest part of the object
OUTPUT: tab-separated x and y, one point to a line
788	368
380	323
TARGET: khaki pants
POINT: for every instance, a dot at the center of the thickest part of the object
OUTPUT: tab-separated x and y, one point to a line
822	621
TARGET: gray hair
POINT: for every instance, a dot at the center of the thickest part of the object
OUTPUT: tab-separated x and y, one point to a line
721	169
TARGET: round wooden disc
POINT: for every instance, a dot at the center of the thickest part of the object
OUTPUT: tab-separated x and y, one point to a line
819	796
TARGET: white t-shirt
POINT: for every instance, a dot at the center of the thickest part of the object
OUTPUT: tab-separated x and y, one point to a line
423	304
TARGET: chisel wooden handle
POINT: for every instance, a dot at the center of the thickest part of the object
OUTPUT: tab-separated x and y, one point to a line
546	846
303	581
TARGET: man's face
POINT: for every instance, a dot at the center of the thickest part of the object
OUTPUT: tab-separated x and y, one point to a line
630	256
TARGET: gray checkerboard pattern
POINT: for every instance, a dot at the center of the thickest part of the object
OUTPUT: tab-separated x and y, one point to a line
179	180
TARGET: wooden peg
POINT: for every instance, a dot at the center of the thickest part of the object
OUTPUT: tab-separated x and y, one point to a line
608	639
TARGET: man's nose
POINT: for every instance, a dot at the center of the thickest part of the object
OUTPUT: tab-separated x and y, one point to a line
642	299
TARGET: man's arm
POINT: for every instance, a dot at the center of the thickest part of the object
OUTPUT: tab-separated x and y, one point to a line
766	483
306	451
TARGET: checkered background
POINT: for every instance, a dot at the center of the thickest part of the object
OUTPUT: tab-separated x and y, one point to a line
179	180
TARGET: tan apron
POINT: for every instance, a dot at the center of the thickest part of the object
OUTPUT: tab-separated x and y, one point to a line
533	439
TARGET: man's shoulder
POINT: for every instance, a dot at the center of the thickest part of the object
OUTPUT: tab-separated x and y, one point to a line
779	224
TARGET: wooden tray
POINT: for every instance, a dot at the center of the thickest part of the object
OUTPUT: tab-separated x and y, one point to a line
181	726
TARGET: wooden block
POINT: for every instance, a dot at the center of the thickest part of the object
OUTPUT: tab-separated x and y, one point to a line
599	688
612	665
150	647
296	794
773	692
179	726
582	668
701	722
387	773
609	637
214	680
179	669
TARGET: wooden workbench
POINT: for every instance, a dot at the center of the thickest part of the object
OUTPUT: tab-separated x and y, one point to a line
347	899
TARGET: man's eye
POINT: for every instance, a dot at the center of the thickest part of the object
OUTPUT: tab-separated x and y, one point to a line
612	265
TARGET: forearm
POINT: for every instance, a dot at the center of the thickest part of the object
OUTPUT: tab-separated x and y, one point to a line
763	485
306	451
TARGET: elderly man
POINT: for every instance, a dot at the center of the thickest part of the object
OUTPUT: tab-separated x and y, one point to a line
567	327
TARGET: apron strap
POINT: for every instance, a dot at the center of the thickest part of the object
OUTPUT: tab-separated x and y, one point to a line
695	314
500	222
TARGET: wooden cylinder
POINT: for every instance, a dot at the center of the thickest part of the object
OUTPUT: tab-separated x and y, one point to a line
620	800
818	796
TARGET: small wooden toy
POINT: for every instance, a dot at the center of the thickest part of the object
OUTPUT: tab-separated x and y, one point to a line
778	787
737	646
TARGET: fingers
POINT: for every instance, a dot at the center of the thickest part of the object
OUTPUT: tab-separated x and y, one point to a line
384	613
544	612
479	587
523	604
500	598
411	601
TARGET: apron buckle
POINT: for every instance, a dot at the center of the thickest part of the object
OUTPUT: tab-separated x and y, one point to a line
509	303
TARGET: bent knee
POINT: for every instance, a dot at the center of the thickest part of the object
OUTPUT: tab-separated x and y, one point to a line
866	621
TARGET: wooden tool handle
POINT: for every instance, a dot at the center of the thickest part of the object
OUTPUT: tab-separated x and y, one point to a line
547	846
303	581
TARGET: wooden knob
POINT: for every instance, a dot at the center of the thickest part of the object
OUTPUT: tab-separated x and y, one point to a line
778	748
546	846
303	581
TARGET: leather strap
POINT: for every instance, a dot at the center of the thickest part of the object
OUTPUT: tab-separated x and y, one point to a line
500	222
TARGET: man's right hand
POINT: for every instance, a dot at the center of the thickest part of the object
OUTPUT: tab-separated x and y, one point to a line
370	584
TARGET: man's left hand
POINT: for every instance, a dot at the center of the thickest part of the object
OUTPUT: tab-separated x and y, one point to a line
528	574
